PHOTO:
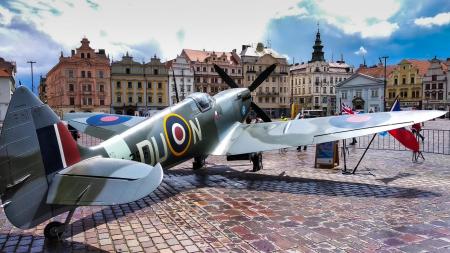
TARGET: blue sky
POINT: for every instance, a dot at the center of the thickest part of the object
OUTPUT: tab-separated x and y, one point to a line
40	30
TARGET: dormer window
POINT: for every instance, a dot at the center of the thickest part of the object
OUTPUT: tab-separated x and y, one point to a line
127	71
88	55
82	55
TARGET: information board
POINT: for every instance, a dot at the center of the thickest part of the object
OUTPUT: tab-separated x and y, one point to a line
327	155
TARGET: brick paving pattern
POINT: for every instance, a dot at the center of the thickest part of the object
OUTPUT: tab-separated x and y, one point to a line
390	205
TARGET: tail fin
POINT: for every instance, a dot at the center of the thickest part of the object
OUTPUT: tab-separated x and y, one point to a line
34	145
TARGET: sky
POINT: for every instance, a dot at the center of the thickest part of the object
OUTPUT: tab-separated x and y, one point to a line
352	29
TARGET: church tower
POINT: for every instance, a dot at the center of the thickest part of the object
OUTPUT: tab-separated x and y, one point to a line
317	54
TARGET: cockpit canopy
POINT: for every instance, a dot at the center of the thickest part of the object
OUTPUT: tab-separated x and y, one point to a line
203	100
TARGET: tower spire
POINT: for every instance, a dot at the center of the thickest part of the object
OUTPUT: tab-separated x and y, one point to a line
318	54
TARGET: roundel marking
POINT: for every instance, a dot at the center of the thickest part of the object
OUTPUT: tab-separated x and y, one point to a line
178	134
359	120
106	120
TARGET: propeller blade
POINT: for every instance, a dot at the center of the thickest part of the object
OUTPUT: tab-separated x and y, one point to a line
227	79
265	74
260	112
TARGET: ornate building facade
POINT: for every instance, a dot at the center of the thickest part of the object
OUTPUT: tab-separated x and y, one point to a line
406	82
80	82
274	93
138	88
206	78
180	73
435	90
7	86
314	82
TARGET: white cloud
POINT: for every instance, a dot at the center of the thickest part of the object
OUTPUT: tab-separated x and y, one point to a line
438	20
361	51
5	16
117	25
368	18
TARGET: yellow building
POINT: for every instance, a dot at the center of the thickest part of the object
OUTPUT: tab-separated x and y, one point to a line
405	81
138	88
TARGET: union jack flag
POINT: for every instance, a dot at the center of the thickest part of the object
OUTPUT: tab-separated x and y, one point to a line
345	109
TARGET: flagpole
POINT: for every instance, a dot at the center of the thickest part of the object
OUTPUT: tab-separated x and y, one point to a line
344	144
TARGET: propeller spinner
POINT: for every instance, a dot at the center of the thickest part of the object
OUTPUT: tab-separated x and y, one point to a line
258	81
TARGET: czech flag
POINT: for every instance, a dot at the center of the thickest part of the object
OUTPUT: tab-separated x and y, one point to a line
403	135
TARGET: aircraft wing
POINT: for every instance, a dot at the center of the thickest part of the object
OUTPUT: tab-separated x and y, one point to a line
103	181
100	125
244	138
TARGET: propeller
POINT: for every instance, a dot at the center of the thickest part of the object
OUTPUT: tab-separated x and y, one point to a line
258	81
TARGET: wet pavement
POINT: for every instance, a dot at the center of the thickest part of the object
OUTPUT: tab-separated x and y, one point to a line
390	205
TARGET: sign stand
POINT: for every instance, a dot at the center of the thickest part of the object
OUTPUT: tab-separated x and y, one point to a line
327	155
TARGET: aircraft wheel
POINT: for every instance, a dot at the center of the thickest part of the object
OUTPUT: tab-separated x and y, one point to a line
54	230
199	162
257	161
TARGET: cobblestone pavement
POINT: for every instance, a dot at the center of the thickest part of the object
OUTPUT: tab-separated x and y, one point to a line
390	205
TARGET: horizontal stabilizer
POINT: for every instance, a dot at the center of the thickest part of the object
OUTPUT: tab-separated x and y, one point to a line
103	181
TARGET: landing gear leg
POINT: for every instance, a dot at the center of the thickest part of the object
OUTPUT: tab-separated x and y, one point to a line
199	162
55	229
257	161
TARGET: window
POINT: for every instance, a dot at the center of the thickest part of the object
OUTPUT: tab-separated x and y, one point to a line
433	86
139	85
149	85
89	74
72	101
159	85
316	100
317	89
102	102
434	78
130	85
118	99
83	74
155	71
204	69
324	90
70	73
331	90
324	100
395	81
118	84
100	74
374	93
427	86
198	69
160	99
403	80
130	99
440	95
440	86
358	94
412	80
149	99
344	95
88	55
82	55
139	99
232	71
71	87
212	70
273	100
273	79
102	88
127	71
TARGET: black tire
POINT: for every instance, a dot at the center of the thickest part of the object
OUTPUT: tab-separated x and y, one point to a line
257	162
51	231
199	162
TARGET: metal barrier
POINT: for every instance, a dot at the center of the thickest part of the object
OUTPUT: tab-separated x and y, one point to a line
435	141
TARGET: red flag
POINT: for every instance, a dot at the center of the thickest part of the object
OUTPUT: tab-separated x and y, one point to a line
403	135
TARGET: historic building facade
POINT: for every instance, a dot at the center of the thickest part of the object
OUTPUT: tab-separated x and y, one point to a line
206	78
180	73
138	88
42	89
314	82
435	89
80	82
361	92
7	86
405	81
273	95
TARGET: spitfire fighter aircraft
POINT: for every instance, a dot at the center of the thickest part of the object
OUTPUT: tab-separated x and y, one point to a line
44	172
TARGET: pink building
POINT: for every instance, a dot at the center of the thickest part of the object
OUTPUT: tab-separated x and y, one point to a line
80	82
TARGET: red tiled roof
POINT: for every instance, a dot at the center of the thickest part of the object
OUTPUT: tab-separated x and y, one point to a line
421	65
376	71
201	55
4	73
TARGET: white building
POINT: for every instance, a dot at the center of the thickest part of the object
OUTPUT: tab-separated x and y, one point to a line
314	82
181	74
361	92
7	86
435	87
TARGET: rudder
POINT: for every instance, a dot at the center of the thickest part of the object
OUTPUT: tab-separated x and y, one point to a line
34	145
